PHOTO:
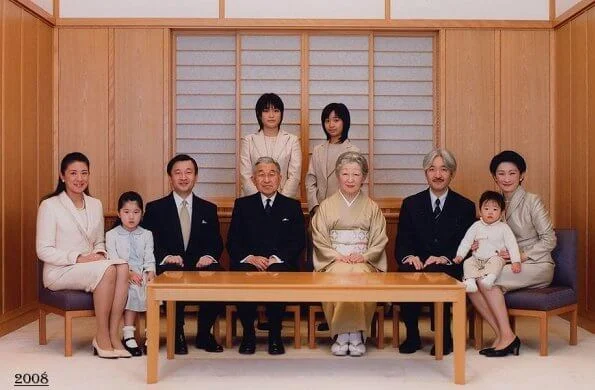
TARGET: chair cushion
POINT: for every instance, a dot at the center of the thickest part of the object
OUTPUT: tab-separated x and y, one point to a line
67	299
547	298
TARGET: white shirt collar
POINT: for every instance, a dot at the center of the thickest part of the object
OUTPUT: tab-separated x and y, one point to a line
442	198
178	199
123	232
264	199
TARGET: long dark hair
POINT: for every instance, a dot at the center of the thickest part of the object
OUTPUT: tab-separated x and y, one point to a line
342	112
129	196
66	161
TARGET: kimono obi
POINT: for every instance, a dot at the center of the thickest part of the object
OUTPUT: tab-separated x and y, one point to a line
349	241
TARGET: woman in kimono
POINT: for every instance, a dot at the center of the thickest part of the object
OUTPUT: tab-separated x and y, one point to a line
531	224
349	235
70	241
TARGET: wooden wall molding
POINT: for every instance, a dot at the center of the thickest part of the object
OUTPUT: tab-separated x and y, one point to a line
18	318
573	12
327	24
37	10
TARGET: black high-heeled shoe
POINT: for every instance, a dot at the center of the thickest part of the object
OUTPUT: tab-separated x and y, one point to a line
512	348
486	350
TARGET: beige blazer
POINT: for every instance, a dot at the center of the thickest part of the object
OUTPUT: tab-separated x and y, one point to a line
286	152
320	184
62	234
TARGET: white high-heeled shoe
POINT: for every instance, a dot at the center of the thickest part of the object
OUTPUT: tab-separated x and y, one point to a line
122	353
103	353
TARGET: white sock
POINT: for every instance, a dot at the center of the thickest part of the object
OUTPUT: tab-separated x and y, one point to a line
128	332
488	281
355	338
343	338
471	285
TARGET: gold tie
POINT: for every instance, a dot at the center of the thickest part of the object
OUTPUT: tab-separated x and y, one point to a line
185	223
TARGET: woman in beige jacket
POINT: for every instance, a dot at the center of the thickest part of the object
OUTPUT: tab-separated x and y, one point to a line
532	227
271	141
321	181
70	241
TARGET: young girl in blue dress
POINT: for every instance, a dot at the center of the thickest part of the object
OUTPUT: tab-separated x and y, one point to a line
134	244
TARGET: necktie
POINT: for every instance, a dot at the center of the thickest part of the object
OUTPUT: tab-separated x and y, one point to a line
437	209
267	208
185	223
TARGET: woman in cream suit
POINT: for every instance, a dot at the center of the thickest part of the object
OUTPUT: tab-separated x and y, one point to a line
321	181
532	227
70	241
271	141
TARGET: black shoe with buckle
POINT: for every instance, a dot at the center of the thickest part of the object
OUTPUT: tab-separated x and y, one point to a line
134	351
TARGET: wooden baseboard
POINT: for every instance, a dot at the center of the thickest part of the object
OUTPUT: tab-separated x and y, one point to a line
18	318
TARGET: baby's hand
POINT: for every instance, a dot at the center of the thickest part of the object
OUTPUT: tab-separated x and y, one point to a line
458	259
516	267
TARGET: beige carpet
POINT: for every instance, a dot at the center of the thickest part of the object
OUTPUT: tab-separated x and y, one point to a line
567	367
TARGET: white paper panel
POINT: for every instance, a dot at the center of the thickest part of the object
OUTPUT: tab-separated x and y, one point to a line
311	9
564	5
470	9
139	9
47	5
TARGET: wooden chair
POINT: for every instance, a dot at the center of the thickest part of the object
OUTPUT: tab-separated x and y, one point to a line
377	325
69	304
542	303
231	328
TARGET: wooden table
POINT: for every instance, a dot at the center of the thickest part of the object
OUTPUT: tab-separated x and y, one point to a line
305	287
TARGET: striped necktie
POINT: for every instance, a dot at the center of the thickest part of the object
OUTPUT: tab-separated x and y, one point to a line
437	209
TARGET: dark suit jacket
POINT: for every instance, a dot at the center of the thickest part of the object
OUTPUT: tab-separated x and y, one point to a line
252	232
162	218
418	234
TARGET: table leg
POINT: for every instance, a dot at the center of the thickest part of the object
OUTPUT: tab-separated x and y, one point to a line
153	333
171	326
439	330
459	319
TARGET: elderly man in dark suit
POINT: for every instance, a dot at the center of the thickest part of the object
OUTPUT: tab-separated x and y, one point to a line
431	226
267	233
187	238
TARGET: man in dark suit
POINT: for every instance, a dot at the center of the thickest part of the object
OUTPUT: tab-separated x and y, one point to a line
432	224
187	238
267	233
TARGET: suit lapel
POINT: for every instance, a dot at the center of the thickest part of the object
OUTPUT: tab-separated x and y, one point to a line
515	201
174	221
323	160
259	143
196	222
75	216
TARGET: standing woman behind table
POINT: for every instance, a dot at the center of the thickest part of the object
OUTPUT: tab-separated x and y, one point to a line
321	181
349	235
532	227
271	141
70	241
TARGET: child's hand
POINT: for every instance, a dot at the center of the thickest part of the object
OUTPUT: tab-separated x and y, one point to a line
458	259
150	276
516	267
135	278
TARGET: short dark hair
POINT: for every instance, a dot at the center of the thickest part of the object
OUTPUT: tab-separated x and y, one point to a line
268	100
494	197
509	156
178	158
342	112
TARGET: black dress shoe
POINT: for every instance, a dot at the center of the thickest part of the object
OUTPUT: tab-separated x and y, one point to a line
410	345
208	343
512	348
248	345
134	351
446	348
276	346
485	351
180	348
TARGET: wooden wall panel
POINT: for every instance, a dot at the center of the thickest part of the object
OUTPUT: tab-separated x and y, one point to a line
83	101
45	110
470	107
579	151
29	156
2	255
562	138
590	261
525	104
12	156
139	111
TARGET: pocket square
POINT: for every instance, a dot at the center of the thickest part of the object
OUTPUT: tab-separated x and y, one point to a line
203	222
285	220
